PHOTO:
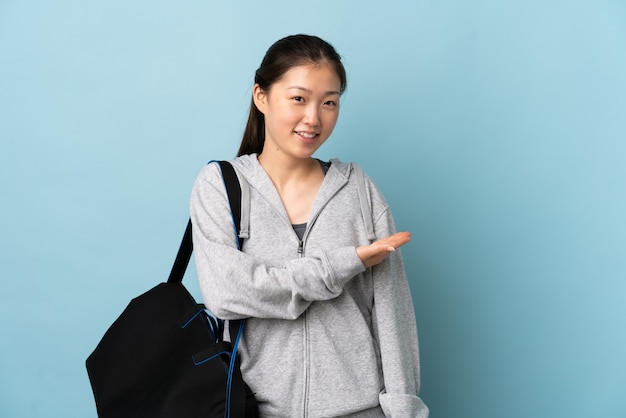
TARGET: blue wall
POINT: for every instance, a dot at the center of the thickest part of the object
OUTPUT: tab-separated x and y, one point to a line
496	129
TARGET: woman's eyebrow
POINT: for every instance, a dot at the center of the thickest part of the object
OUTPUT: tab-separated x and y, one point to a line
304	89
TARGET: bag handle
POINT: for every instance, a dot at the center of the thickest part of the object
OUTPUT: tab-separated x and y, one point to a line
233	189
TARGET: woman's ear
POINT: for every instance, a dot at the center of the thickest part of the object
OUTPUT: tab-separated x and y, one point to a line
260	98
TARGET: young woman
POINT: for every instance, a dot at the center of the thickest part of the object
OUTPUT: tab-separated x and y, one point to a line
330	327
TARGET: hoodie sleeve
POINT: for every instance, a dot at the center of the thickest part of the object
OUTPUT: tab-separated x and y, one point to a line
235	285
396	331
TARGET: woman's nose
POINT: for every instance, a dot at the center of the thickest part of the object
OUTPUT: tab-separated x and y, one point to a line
312	116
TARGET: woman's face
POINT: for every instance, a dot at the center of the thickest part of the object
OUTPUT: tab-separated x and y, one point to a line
300	110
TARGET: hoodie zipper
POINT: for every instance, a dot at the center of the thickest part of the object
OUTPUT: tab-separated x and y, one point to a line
307	340
306	371
300	248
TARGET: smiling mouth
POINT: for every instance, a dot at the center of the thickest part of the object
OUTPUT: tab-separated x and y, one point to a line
307	135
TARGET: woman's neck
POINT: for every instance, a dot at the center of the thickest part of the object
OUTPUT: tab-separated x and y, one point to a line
297	184
285	172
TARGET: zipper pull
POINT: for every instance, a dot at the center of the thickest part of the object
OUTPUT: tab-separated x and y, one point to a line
300	247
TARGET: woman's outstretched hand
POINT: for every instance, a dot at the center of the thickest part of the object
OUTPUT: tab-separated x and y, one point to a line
377	251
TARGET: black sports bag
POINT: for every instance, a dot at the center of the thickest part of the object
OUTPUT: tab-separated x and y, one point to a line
165	356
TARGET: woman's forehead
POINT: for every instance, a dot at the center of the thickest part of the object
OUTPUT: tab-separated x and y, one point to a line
310	77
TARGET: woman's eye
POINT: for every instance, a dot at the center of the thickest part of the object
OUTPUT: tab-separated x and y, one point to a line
298	98
330	103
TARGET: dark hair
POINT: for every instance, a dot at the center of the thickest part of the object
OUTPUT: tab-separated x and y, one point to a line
283	55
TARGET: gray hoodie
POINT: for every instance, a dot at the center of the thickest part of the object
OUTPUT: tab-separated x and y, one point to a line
325	336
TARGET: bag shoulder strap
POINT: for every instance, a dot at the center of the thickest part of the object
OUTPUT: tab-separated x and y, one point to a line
233	189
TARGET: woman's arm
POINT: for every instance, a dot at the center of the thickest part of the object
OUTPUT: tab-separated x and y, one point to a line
235	285
395	328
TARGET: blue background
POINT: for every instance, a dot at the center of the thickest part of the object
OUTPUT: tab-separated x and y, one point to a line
496	129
